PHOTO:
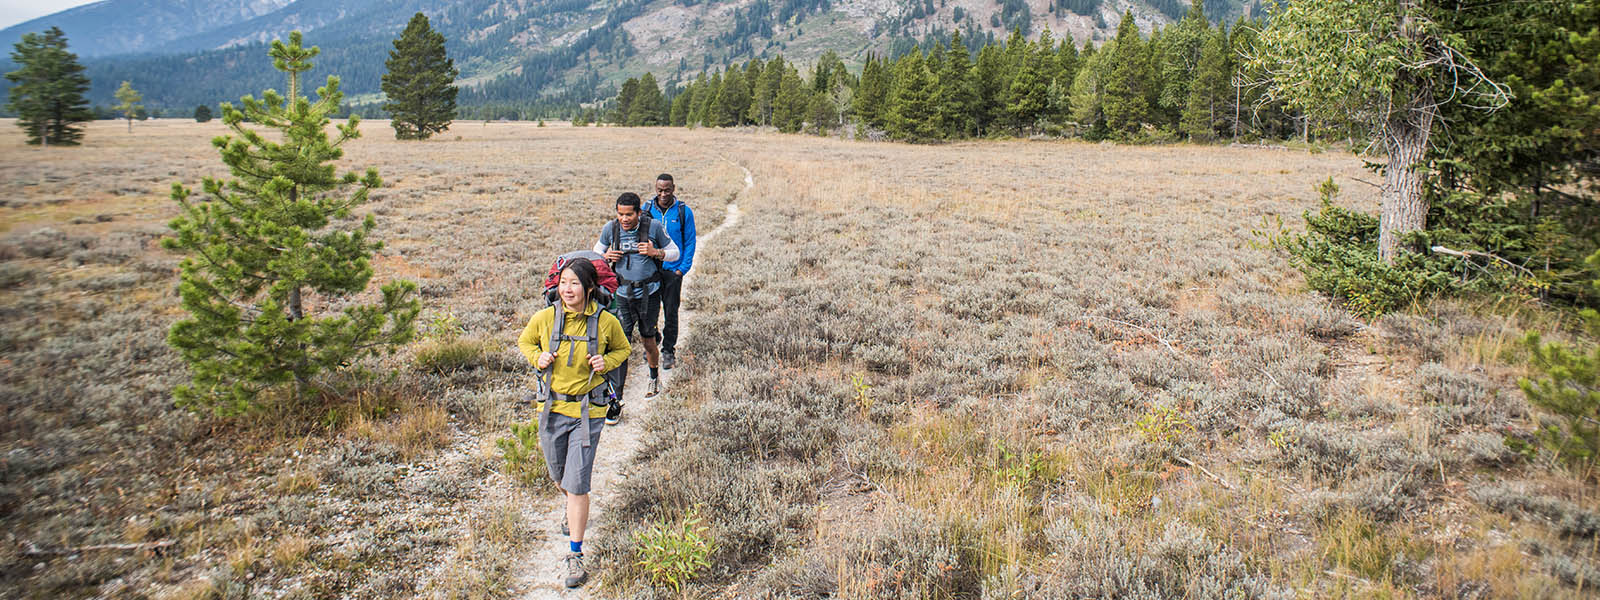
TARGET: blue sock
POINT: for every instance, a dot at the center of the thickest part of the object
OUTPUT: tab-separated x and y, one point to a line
577	547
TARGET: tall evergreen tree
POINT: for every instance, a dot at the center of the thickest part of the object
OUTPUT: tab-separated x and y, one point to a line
872	95
128	102
990	83
623	105
912	114
1178	60
766	91
1028	96
955	96
646	107
733	100
1126	101
706	102
420	83
789	108
47	91
1088	90
258	243
1208	93
678	114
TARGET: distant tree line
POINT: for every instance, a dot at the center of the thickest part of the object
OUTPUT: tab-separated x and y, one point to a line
1182	82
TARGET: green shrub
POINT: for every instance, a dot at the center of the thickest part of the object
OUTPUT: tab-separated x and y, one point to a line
673	553
524	460
1338	254
1566	388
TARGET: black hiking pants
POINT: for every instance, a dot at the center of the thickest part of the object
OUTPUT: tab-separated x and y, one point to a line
671	294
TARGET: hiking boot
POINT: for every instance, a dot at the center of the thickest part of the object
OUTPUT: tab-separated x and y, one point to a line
653	389
668	360
575	573
613	414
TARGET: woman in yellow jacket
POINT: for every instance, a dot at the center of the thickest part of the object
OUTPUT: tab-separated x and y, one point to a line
569	423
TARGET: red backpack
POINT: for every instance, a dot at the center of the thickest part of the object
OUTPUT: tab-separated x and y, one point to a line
608	278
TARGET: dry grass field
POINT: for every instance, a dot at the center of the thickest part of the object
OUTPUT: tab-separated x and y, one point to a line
982	370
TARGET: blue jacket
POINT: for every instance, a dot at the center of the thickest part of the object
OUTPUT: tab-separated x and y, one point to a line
679	223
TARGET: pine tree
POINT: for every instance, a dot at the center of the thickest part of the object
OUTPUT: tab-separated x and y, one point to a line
624	103
128	102
955	96
202	114
912	114
872	94
990	84
706	100
48	88
1066	70
279	230
420	84
1568	386
1088	91
645	110
678	114
1126	100
766	90
789	109
1179	59
1208	93
1027	97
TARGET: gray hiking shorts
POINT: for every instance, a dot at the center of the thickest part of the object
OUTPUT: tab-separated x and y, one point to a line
569	464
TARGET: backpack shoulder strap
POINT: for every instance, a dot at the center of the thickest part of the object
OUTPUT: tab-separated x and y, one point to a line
615	229
682	233
555	331
593	333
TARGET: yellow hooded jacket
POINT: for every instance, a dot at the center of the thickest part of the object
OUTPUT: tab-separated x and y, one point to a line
576	379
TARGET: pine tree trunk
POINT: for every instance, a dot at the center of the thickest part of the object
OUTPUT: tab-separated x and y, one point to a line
1405	208
296	312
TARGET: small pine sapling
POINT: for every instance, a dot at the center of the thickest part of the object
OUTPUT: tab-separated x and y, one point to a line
260	245
1568	386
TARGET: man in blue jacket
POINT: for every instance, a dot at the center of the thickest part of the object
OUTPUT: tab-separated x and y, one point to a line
678	220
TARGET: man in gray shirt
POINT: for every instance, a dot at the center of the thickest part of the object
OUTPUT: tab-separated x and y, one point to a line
636	254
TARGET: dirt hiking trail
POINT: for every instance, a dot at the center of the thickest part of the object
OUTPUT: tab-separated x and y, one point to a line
538	576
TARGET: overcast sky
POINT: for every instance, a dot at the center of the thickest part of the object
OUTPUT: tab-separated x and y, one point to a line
17	11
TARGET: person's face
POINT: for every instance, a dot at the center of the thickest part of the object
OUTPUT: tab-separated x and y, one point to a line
627	216
664	191
570	289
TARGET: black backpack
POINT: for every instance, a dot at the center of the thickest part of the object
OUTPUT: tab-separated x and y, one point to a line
614	228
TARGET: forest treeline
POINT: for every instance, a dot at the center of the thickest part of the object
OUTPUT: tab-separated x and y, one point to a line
1186	81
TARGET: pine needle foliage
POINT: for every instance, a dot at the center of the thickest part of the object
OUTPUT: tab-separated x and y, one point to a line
259	244
1567	387
420	83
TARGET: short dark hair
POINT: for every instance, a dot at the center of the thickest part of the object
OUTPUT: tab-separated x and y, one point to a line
628	199
663	177
588	277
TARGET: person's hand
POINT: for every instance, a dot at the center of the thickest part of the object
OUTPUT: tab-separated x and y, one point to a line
646	249
598	363
613	255
544	360
678	271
